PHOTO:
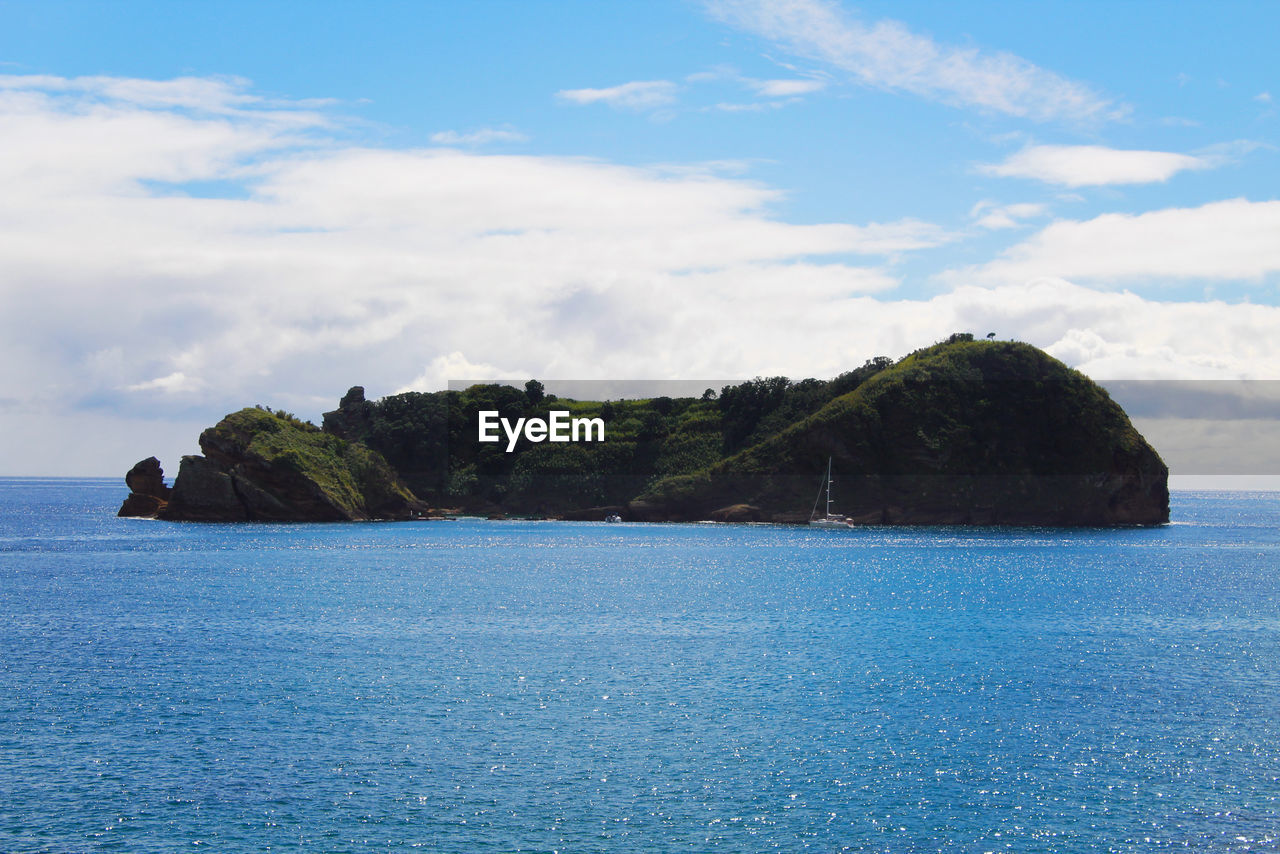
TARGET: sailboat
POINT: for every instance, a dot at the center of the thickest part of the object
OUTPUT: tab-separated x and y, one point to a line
829	520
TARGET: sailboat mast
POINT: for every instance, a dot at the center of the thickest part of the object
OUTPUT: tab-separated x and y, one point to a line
828	487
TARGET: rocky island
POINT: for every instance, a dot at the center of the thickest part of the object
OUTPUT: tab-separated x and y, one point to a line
965	432
264	466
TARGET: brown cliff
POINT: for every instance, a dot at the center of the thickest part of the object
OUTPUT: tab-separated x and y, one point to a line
265	466
148	494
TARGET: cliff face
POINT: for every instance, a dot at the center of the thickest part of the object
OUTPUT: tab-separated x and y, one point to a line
965	432
352	419
264	466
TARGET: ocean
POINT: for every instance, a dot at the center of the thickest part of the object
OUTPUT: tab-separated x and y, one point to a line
472	686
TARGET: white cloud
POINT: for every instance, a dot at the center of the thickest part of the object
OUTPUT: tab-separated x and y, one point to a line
455	367
173	383
1234	240
786	88
783	88
222	95
753	107
989	215
636	95
483	136
1106	334
887	55
1093	165
1263	97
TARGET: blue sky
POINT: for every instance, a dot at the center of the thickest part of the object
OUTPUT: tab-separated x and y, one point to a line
218	204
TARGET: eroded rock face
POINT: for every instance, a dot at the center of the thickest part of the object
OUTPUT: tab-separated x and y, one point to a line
351	419
141	506
147	478
148	494
260	466
204	492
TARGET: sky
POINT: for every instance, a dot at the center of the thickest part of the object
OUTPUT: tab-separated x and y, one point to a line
208	205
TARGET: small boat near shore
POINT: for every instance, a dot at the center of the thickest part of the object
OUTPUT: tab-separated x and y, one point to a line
829	519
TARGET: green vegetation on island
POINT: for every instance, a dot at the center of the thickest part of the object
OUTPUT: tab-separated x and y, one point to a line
962	432
430	440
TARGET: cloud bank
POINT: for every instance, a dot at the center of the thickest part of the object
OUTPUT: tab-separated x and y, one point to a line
192	243
1236	239
175	250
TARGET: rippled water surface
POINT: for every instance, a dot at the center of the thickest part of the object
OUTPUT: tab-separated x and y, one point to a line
536	686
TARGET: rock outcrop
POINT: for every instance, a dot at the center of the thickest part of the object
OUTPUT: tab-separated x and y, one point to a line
739	513
148	494
205	492
263	466
351	420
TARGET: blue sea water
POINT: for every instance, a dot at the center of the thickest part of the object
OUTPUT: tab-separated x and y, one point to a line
481	686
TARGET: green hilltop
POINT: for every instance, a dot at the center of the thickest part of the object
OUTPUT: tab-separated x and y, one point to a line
963	432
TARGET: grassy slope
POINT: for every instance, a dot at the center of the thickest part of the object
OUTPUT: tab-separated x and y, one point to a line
957	408
349	475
